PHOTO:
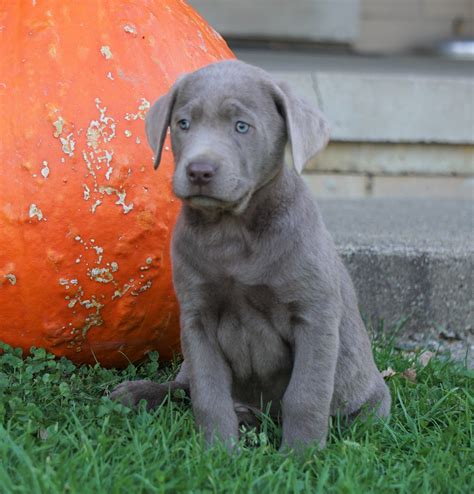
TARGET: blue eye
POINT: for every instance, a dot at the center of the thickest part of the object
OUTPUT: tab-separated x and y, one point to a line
184	124
242	127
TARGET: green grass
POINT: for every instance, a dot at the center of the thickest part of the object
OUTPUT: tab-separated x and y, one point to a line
59	433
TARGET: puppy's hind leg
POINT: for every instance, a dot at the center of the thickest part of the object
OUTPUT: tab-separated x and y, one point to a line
130	393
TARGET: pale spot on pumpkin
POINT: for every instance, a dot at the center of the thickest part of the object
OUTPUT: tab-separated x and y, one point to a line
101	275
11	278
106	52
99	251
53	51
110	76
142	289
58	125
68	144
45	170
86	193
122	292
130	28
35	211
121	194
143	107
94	319
96	204
202	44
102	129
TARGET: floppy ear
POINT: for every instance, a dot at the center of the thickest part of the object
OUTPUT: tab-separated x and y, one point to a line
157	122
306	126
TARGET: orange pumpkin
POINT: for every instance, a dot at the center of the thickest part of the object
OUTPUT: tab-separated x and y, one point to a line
85	222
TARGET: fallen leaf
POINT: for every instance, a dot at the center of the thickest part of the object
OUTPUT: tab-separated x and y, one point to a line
43	434
448	335
425	357
410	374
387	373
352	444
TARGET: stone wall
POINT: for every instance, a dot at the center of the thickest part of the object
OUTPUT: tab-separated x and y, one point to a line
399	25
380	26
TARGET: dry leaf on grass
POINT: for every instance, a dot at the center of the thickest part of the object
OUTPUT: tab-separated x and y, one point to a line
410	374
43	434
425	357
387	373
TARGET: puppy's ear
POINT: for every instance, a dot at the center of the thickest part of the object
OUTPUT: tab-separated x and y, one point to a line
306	126
158	120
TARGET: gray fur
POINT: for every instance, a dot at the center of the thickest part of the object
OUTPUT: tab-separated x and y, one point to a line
268	311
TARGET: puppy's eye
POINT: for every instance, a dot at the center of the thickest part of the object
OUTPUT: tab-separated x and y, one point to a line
184	124
242	127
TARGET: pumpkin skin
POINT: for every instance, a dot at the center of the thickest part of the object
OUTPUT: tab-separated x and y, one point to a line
85	222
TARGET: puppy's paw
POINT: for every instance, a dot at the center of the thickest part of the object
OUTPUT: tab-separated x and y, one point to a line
130	393
247	415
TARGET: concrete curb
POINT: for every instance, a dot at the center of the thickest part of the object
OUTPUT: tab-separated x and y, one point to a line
411	259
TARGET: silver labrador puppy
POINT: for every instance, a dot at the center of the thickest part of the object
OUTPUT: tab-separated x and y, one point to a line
268	311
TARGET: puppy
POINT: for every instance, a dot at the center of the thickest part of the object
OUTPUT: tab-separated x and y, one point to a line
269	314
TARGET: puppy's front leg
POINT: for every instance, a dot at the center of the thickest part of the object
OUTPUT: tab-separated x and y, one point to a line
211	385
306	402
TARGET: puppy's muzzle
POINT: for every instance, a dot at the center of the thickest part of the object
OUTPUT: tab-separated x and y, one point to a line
200	173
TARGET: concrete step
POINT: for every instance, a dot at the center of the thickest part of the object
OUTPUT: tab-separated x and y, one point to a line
321	20
401	126
411	259
395	159
380	100
360	186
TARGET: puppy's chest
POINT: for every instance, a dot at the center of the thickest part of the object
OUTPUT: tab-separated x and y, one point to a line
252	327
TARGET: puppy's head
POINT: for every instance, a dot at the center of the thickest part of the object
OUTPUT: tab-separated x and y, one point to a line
229	125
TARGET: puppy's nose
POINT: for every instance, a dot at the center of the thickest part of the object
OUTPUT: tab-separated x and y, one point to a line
200	173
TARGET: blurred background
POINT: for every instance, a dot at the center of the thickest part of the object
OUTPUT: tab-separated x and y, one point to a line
394	77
